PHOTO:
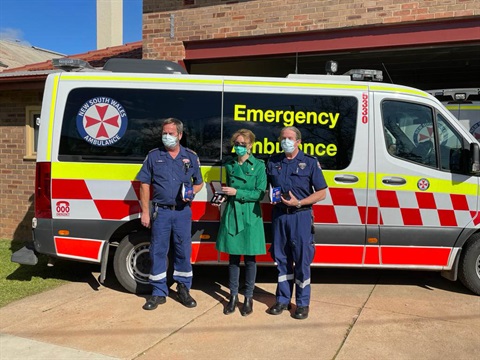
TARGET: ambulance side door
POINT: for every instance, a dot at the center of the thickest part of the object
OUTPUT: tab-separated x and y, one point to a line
424	192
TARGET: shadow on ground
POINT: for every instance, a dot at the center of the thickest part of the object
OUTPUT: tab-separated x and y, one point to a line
213	279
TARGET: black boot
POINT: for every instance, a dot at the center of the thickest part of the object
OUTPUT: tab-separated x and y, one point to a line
184	297
232	304
247	307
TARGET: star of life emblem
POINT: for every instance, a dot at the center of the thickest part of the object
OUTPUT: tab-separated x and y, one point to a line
423	184
475	130
425	132
102	121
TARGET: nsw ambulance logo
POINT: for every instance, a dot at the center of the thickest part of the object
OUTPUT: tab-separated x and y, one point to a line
475	130
426	133
102	121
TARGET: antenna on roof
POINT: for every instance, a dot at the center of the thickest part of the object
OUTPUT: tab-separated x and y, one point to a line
387	72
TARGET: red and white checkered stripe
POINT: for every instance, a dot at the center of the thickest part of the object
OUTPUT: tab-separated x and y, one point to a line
119	200
396	208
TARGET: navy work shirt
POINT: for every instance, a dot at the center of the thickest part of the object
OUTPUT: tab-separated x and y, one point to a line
167	175
299	175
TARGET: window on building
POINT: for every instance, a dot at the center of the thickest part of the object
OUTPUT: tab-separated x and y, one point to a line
32	116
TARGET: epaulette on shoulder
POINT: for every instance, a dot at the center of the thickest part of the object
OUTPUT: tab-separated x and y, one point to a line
311	157
191	151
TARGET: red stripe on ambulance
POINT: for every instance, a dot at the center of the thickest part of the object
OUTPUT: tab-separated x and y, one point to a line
397	255
70	189
117	209
82	249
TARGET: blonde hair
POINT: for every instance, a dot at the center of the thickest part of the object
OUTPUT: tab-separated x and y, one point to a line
247	134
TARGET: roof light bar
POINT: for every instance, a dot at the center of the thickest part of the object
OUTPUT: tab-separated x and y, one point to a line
70	64
365	75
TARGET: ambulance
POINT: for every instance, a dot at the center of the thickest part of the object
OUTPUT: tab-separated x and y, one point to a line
403	174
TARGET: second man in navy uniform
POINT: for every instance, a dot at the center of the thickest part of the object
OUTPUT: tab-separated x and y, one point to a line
302	184
168	170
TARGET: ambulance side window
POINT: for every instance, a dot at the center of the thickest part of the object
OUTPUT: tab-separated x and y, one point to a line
451	146
328	124
409	132
124	124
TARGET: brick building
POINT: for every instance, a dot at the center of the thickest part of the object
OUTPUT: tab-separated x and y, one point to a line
426	44
277	37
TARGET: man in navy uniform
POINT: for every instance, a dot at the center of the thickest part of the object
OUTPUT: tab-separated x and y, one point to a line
302	184
169	170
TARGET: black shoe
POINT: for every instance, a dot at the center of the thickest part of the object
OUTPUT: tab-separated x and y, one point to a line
232	304
301	312
278	308
247	307
154	301
184	296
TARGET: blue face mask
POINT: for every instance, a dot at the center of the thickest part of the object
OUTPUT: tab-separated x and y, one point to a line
288	145
169	141
240	150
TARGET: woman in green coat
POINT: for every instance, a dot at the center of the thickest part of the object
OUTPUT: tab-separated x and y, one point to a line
241	228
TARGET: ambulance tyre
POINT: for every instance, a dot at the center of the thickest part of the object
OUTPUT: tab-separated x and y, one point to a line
132	263
469	270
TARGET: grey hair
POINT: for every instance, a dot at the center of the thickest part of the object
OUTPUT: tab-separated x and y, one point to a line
297	132
178	124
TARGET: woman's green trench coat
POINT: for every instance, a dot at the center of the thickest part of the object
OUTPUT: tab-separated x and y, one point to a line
241	228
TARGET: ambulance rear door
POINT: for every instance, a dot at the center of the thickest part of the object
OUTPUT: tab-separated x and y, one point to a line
425	194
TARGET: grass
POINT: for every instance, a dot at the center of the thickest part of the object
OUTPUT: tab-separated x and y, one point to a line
19	281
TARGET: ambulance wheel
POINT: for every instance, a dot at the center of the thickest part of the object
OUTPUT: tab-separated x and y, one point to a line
132	263
469	273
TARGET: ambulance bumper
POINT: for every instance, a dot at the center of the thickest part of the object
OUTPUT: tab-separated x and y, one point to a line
25	256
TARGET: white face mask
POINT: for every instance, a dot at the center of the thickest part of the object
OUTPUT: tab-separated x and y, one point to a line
288	145
169	141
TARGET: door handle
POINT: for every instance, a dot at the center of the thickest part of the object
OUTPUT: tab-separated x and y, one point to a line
350	179
393	180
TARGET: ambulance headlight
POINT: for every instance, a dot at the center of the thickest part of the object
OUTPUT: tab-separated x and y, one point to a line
331	67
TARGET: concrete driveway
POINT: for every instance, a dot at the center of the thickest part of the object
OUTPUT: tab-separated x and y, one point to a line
355	314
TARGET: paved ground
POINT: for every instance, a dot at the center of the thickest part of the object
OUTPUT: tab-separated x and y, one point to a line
355	314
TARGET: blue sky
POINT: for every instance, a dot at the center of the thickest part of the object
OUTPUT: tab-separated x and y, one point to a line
64	26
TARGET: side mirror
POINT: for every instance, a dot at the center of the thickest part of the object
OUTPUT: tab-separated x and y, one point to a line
475	158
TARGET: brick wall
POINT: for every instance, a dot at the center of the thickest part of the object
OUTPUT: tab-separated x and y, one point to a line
212	19
17	176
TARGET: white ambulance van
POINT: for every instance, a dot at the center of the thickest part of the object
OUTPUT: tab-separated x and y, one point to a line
403	174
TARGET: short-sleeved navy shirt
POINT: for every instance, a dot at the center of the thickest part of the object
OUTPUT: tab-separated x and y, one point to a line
167	175
301	175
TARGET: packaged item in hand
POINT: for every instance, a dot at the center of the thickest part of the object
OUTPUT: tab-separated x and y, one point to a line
187	192
218	195
275	194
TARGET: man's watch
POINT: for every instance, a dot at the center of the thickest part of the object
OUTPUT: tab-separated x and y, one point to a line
299	205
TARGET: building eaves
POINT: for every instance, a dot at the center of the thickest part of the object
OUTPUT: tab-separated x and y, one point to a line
96	58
